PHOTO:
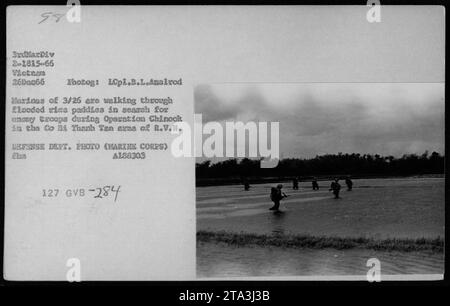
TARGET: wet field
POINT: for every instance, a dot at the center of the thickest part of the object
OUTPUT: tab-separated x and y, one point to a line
222	260
375	208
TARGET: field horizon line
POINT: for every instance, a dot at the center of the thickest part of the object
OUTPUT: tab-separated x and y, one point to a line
323	242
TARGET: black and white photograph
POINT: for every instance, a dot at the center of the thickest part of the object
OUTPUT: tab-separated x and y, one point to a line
222	153
360	178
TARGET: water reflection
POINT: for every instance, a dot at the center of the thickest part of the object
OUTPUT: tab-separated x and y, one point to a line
218	260
278	223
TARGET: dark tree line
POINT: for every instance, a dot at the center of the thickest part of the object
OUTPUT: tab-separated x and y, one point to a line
331	164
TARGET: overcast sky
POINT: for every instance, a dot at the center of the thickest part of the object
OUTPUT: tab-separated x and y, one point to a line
376	118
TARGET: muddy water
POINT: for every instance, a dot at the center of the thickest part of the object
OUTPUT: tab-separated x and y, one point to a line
377	208
222	260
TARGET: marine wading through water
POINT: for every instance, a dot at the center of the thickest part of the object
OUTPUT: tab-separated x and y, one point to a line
276	195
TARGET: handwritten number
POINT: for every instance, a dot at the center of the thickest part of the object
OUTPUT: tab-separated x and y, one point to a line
105	191
47	15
